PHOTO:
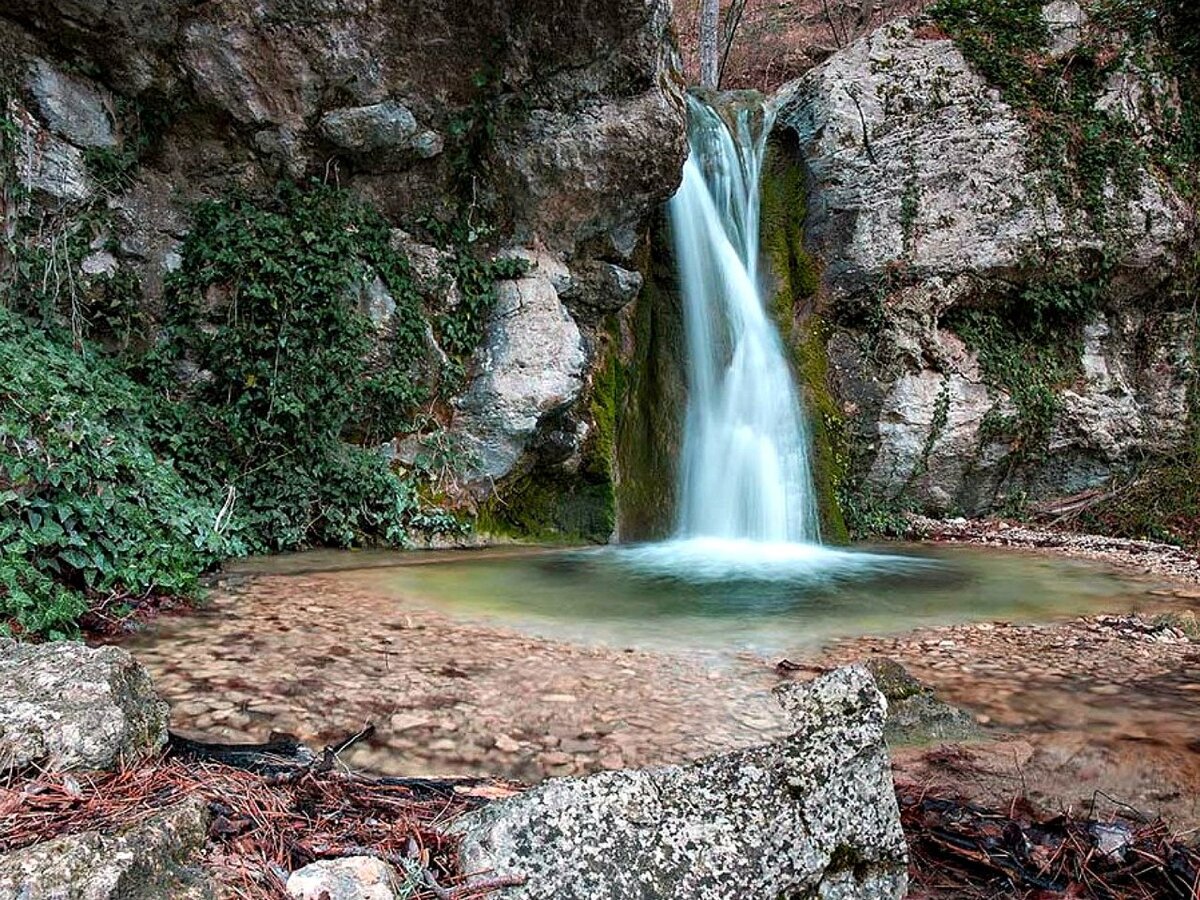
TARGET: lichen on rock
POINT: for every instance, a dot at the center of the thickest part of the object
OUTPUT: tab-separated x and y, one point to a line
67	706
811	816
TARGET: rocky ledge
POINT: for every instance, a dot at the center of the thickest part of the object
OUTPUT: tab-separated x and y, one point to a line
813	815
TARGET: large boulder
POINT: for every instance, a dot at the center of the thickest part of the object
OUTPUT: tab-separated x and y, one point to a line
925	200
149	861
530	365
812	816
67	706
916	160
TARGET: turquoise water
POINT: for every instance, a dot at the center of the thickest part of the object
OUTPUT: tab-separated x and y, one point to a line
730	597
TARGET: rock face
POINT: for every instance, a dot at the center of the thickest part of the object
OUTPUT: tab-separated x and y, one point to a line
147	862
924	203
566	123
914	714
812	816
66	706
531	365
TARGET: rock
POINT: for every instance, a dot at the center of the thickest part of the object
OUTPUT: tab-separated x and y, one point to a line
598	287
347	878
67	706
72	108
147	862
375	301
914	714
531	363
380	126
915	159
576	176
811	816
100	262
924	201
257	78
48	164
1065	20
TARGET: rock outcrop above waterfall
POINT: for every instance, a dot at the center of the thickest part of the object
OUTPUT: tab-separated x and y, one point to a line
814	815
66	706
531	126
1000	329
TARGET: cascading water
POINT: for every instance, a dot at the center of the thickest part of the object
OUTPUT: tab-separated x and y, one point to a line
747	508
745	466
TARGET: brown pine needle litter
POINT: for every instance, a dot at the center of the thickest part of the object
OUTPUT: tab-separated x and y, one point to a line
263	827
961	850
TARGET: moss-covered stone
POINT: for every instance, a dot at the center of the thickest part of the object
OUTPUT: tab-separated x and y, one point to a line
793	303
651	393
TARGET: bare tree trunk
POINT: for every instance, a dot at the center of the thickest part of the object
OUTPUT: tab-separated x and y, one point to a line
710	61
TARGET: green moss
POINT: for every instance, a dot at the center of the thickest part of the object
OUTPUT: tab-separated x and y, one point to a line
793	304
551	505
652	397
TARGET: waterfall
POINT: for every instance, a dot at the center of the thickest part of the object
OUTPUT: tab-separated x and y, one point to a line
745	470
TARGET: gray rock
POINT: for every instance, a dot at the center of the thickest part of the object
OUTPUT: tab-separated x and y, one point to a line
71	108
1065	20
101	262
914	714
592	173
381	126
67	706
918	167
147	862
531	363
48	164
915	160
598	287
347	878
375	300
811	816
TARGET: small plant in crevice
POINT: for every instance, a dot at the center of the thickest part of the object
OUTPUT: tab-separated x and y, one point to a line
1029	348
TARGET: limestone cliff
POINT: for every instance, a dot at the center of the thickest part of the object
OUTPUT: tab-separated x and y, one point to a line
1004	291
544	129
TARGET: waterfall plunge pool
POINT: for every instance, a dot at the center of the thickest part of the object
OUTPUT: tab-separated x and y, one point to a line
722	596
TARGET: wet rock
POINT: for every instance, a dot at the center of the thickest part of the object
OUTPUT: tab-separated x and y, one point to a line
67	706
914	714
812	815
147	862
72	108
531	363
347	878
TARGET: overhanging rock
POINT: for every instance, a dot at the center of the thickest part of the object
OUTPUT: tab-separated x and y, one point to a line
812	816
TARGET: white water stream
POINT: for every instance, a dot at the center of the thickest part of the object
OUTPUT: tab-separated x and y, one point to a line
745	467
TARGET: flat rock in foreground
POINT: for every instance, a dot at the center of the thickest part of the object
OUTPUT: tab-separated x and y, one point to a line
67	706
813	815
